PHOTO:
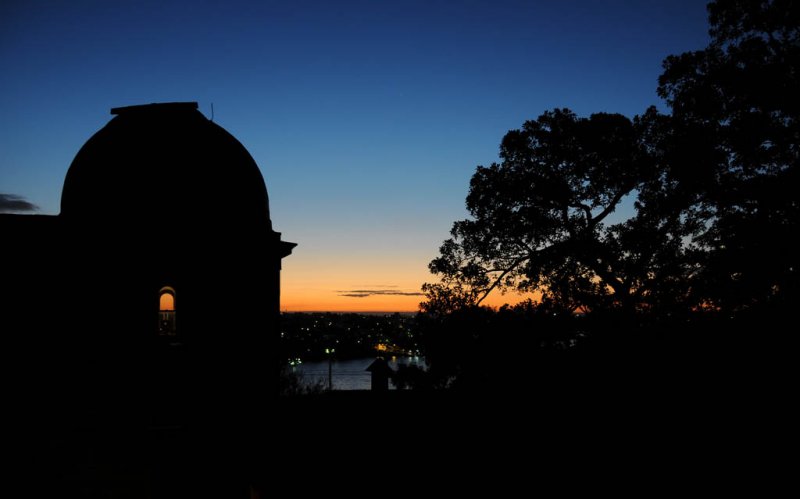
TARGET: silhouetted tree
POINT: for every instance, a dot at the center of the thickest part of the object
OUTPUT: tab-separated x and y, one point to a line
540	218
714	188
703	262
731	153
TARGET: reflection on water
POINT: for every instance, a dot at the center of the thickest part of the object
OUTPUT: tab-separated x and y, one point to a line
349	374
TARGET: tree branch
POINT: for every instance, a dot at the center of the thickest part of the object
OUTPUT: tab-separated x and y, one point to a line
585	209
613	204
500	278
514	265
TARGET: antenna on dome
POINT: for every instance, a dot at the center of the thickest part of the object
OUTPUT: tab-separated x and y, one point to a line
212	111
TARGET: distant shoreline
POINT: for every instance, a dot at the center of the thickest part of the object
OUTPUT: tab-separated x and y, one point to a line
344	313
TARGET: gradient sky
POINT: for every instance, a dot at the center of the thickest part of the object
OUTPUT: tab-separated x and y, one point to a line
367	118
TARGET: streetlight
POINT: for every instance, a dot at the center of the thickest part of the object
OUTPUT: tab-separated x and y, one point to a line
330	351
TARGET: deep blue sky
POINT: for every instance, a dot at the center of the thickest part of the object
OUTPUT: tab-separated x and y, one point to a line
367	118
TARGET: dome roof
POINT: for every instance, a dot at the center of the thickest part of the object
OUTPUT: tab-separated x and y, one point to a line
164	163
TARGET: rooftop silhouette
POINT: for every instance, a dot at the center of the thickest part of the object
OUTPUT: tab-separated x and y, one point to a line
152	299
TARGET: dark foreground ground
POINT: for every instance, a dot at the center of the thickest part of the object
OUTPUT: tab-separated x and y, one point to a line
341	440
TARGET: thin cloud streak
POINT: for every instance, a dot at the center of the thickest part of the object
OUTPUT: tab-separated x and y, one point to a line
365	293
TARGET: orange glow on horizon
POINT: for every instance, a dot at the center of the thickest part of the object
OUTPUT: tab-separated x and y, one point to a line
319	281
321	298
329	302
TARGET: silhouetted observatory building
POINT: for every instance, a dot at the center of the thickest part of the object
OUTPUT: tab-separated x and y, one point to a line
158	281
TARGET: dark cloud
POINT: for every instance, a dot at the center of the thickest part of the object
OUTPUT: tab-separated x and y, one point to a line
11	203
364	293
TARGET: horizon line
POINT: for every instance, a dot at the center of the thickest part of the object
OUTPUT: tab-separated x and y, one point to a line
349	311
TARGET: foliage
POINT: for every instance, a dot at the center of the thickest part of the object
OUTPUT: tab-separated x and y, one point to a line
411	376
292	384
713	187
732	150
481	348
540	218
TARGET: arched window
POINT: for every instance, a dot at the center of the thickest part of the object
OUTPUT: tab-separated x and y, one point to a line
166	311
167	302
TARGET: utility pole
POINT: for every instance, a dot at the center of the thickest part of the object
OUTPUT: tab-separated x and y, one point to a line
330	351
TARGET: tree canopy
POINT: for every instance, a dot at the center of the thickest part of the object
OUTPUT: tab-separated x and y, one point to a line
709	189
540	218
731	150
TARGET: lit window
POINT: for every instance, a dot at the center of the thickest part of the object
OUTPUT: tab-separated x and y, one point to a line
166	312
167	302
